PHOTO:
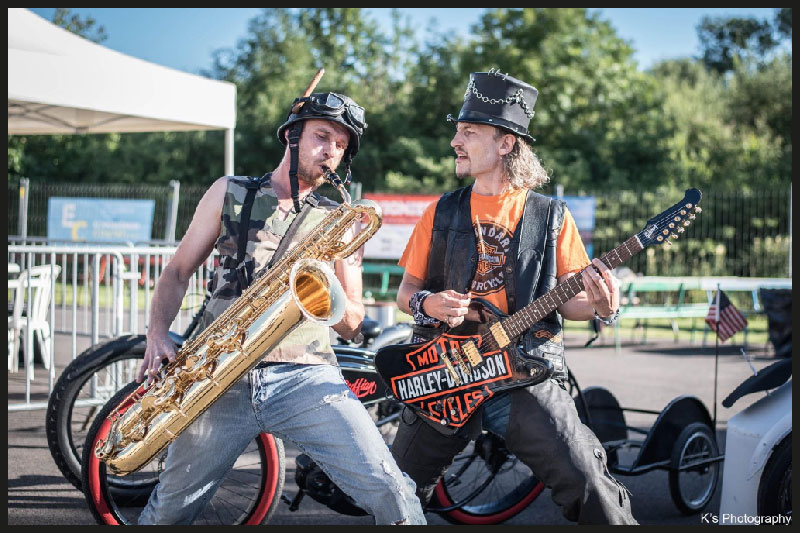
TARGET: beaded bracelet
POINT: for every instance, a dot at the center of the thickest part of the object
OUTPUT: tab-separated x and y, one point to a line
420	316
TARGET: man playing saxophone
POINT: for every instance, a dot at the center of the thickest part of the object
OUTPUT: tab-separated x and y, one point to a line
296	391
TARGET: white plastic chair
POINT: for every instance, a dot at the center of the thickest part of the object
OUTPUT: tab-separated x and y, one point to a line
40	279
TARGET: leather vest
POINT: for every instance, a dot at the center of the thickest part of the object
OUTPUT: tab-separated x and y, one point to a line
530	268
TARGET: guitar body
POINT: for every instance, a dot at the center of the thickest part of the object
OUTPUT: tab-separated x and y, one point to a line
446	379
430	380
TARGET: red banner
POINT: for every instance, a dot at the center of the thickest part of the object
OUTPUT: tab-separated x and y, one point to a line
402	208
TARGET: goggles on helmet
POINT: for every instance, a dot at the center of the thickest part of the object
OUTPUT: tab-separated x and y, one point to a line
334	105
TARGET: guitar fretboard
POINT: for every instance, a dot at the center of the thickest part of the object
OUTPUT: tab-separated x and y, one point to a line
532	313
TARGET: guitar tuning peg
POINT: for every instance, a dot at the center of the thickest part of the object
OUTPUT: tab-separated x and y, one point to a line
660	238
686	223
673	236
668	242
681	230
697	209
671	225
692	217
683	211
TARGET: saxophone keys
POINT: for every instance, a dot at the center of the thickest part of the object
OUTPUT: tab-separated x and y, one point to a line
148	403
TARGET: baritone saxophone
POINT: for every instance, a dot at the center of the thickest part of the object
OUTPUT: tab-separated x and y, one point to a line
300	286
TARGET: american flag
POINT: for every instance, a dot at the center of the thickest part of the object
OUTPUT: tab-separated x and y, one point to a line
728	320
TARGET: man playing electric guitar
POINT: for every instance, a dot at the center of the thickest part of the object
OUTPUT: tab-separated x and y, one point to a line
502	242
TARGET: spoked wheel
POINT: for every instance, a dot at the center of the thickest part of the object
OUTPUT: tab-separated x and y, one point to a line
84	386
486	484
248	495
692	478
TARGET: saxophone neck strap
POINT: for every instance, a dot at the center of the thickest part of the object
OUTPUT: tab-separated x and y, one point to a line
309	203
244	268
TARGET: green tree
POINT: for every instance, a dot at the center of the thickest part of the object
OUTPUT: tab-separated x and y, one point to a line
726	39
783	22
85	27
598	119
273	64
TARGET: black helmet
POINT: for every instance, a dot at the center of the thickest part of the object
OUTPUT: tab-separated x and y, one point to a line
322	106
330	106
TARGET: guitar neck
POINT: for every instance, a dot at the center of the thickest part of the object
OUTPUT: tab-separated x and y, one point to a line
532	313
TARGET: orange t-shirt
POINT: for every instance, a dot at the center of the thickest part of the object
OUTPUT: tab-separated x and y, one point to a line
497	218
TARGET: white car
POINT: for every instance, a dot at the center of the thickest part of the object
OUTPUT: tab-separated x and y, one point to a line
757	474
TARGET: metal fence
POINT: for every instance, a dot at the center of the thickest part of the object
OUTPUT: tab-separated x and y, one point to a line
739	233
104	291
31	212
98	293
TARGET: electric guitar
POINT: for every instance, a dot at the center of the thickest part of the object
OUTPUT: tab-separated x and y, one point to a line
446	379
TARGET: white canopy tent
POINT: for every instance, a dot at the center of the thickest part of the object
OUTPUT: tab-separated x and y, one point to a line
59	82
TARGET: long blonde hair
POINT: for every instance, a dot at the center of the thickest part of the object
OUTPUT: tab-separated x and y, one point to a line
521	166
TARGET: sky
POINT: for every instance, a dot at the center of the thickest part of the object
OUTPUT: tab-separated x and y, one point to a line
185	38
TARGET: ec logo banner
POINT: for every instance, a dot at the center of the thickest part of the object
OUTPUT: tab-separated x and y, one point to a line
99	220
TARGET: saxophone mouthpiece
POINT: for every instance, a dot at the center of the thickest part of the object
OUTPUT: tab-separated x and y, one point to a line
334	179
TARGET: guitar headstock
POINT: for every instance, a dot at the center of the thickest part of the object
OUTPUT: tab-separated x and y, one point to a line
671	222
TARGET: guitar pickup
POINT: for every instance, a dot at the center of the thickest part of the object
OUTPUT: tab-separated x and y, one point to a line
499	334
472	353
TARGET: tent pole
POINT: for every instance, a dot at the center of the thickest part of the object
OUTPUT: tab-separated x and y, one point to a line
229	152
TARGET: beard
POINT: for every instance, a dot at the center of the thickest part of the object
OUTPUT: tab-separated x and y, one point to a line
310	174
461	173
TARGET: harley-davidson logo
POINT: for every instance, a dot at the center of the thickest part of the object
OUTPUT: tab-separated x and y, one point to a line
437	380
494	243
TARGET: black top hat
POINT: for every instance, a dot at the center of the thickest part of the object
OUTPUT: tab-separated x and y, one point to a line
500	100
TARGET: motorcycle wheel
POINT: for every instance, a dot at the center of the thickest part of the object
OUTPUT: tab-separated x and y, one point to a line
504	485
249	494
80	391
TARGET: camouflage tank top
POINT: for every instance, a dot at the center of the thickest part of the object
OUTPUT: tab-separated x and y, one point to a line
309	343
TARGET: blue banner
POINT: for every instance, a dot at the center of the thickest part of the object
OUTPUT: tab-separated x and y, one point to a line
99	219
582	209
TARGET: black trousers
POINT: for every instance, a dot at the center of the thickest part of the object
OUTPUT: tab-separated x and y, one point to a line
544	432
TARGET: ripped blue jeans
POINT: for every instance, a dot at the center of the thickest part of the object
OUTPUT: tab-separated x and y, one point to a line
309	405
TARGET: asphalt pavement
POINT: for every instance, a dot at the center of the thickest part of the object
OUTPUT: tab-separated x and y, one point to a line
643	376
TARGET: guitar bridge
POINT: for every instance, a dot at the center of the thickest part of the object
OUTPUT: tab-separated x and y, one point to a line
472	353
464	368
450	369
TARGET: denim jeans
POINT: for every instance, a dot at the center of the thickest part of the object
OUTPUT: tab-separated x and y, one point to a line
309	405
